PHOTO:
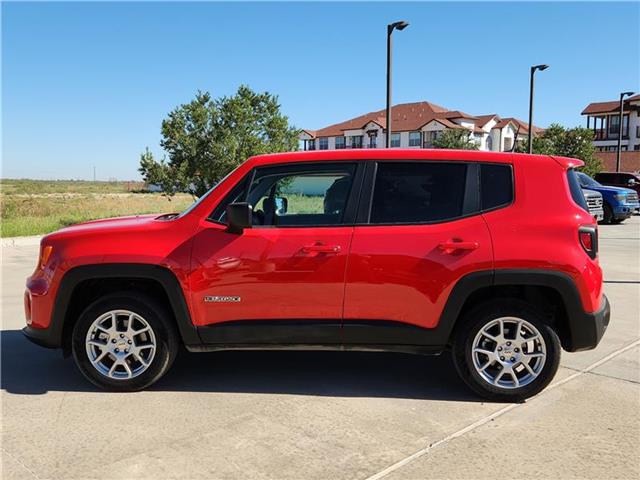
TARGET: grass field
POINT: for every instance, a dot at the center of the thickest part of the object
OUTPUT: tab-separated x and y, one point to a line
32	207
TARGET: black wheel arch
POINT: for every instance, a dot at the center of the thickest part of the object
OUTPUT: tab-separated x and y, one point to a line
572	324
124	275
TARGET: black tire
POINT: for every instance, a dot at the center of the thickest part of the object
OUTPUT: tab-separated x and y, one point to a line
159	321
483	314
608	214
616	221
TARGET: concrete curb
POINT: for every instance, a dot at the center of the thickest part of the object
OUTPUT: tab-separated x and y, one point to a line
20	241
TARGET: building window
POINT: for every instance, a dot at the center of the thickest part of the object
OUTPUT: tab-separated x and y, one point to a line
508	143
324	143
614	124
395	140
312	144
430	137
340	143
477	137
489	143
638	131
636	147
414	139
356	141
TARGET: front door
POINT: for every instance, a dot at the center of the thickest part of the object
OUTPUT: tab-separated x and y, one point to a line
419	238
281	281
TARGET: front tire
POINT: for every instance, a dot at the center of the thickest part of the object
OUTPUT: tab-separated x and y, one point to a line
123	342
505	350
608	214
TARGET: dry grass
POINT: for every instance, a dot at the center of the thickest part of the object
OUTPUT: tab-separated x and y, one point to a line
29	207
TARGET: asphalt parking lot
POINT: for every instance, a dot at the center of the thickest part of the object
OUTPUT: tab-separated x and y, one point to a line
318	415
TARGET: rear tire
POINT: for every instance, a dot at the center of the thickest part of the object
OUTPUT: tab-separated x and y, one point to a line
505	351
124	342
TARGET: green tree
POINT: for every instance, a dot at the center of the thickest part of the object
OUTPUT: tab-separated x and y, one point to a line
207	138
567	142
458	139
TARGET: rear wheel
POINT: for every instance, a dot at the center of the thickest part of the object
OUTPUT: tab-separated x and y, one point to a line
505	351
124	343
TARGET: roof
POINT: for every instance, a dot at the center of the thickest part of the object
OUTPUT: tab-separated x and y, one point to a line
484	119
387	154
607	107
407	117
520	126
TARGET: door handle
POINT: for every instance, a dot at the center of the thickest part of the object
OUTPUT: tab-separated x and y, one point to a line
450	247
321	248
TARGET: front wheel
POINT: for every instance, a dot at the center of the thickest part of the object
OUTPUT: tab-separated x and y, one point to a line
505	351
123	342
608	214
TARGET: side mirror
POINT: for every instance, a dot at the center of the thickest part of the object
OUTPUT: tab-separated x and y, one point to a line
239	217
282	205
632	182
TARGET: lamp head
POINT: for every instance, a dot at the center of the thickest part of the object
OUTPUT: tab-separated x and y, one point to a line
540	67
626	94
398	26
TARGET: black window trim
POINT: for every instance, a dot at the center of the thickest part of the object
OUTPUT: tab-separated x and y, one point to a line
470	203
353	197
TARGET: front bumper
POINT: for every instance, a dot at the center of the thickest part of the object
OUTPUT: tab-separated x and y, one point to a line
45	337
625	210
587	329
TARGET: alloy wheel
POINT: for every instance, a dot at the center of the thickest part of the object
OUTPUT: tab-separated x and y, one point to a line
120	344
509	352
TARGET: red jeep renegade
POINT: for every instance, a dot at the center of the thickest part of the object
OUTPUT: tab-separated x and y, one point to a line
493	255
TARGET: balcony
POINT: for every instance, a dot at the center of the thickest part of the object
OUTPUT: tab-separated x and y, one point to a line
604	135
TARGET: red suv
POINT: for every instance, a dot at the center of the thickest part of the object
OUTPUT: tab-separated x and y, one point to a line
491	255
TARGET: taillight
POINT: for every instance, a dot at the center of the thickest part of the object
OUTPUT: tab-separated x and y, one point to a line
588	235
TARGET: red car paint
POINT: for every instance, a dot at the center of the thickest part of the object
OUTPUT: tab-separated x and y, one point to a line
388	272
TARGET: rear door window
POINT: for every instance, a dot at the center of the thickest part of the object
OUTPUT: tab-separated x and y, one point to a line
418	192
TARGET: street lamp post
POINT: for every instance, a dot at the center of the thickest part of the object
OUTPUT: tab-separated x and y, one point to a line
530	138
622	95
390	28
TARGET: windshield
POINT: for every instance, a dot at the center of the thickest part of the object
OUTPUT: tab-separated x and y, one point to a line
199	200
586	181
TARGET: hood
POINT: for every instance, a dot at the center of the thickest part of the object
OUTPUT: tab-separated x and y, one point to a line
111	225
613	190
591	193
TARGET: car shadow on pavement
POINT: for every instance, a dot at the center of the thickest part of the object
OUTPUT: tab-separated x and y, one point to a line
31	370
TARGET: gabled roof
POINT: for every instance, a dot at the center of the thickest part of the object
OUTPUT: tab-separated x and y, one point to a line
407	117
607	107
484	119
404	117
519	125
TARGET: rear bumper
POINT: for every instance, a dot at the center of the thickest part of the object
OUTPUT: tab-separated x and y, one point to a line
587	329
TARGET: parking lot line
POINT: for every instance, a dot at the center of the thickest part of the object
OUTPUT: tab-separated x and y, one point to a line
499	413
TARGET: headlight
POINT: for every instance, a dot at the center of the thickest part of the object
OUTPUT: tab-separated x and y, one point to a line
621	197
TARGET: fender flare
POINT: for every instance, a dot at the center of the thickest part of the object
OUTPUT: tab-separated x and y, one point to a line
578	335
162	275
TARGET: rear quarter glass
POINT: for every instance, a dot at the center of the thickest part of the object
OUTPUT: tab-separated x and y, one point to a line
576	190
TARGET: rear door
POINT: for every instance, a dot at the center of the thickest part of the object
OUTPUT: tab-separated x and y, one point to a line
420	230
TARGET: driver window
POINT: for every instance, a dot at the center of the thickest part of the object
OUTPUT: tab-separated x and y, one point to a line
302	196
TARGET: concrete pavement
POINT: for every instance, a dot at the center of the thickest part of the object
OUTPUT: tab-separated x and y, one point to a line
323	415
